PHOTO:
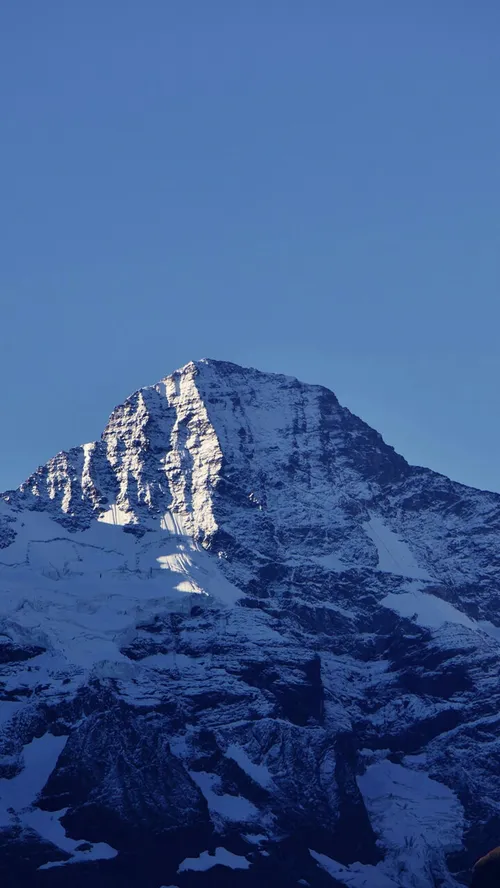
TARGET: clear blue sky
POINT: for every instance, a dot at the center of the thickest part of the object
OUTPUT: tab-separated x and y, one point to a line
306	186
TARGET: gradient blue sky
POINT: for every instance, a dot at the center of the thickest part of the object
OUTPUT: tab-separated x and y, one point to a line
306	186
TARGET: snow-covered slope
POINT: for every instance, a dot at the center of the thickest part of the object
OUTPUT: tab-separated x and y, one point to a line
243	642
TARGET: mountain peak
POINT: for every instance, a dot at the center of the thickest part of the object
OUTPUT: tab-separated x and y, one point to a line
212	426
228	369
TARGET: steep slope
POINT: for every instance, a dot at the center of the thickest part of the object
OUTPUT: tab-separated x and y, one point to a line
245	643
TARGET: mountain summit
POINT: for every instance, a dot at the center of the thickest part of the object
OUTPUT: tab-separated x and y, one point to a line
244	642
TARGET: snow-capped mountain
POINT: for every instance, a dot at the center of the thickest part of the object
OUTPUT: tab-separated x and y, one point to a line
244	643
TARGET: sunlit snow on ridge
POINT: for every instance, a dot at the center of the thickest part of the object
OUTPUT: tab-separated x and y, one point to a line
78	593
116	516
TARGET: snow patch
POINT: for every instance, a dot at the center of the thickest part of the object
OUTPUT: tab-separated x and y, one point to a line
47	824
394	556
255	838
221	857
418	820
235	808
18	795
489	628
427	610
40	759
259	773
359	875
432	612
406	803
330	562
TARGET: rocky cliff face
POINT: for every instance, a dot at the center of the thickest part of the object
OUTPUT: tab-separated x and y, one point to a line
243	642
